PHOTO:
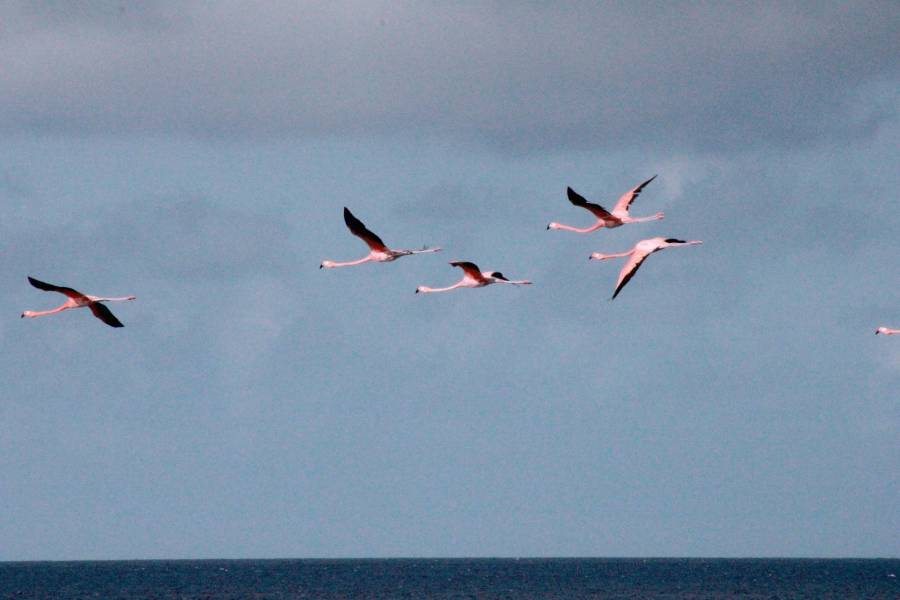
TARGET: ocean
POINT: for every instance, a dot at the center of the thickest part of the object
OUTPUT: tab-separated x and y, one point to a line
481	579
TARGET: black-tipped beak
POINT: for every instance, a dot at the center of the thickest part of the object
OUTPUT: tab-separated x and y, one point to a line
548	228
321	267
417	290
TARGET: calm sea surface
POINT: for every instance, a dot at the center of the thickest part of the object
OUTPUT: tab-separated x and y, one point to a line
456	578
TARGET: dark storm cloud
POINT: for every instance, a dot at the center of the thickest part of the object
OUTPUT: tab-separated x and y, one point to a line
516	76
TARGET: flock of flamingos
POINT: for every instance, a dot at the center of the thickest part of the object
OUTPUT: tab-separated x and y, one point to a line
473	277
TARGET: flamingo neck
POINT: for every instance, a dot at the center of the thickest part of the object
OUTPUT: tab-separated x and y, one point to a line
424	289
593	227
42	313
330	264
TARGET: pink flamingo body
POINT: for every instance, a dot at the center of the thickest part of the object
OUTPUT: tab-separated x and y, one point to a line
378	250
637	255
76	299
618	217
887	331
473	277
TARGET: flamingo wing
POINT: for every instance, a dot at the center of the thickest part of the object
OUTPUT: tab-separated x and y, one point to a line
579	200
628	197
470	269
102	312
49	287
634	263
357	228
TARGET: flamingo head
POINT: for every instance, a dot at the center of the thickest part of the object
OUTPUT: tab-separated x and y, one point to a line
552	226
28	313
326	264
597	256
686	243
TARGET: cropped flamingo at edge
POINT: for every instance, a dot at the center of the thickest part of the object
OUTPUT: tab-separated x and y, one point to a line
379	252
619	215
637	255
887	331
78	300
473	277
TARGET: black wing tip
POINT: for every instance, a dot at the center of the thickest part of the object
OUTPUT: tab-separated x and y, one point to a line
41	285
575	198
675	241
350	219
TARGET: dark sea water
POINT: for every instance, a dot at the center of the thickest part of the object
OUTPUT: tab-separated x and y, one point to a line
480	579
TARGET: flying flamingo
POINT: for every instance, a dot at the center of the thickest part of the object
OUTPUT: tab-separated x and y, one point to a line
379	251
619	215
886	331
78	300
637	255
473	277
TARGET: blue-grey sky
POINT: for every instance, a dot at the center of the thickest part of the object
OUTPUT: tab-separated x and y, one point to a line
732	401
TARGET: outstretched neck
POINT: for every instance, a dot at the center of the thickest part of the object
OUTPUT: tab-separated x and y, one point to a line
593	227
424	289
331	264
599	256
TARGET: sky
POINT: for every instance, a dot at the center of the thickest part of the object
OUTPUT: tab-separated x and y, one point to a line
731	402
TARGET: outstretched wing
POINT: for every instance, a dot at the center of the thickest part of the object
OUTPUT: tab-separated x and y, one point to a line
579	200
49	287
357	228
104	314
634	263
628	197
470	269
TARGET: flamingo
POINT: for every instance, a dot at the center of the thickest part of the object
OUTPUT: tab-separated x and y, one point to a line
473	277
886	331
78	300
619	215
637	255
379	251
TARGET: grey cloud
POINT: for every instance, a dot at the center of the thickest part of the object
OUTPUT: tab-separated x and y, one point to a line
517	77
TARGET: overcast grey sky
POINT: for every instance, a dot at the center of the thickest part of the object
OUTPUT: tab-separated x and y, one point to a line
732	401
